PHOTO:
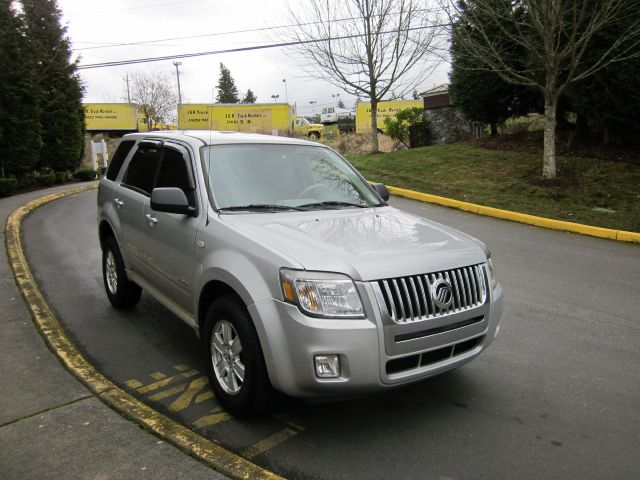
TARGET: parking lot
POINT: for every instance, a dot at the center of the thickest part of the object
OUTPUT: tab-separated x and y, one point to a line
556	395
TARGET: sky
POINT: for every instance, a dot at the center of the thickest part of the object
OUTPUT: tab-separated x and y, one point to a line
97	31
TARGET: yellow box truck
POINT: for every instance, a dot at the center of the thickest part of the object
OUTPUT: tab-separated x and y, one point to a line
267	118
385	109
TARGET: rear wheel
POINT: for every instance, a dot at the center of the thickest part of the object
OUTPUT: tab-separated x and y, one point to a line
122	292
234	360
314	135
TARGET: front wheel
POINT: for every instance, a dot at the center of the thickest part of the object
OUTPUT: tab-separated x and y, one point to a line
122	292
234	360
314	135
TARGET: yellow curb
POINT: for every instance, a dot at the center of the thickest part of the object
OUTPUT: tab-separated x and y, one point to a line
620	235
199	447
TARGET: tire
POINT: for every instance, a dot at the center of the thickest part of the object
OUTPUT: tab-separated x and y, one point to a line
122	292
314	136
234	361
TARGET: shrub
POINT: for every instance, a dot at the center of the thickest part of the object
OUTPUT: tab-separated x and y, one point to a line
85	174
7	186
62	177
397	127
46	178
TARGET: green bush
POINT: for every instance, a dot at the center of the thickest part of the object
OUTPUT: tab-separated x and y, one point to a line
85	174
62	177
46	178
397	126
7	186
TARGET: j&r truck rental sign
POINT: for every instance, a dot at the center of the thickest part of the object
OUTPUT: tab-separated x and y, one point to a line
110	116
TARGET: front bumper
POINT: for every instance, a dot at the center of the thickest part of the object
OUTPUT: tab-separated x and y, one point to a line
374	353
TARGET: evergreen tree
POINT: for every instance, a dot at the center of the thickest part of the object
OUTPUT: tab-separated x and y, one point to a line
61	112
249	97
481	94
19	115
227	90
608	102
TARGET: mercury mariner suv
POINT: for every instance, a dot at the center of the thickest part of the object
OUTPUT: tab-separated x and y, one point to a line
291	268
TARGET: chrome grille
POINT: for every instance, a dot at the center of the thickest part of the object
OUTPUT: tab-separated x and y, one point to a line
409	299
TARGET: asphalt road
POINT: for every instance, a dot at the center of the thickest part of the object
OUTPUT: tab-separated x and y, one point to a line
557	395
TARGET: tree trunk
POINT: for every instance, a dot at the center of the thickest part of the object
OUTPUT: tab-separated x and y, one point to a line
494	129
374	125
549	156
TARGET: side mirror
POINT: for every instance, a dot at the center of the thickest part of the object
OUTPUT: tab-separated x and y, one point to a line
381	189
170	200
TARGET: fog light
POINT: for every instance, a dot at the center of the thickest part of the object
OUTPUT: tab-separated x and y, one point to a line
327	366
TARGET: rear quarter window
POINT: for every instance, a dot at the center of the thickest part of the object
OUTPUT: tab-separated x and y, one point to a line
118	158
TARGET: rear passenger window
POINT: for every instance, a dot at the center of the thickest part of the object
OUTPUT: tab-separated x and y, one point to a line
118	158
142	170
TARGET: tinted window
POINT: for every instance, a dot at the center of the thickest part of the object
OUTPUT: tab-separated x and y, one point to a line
118	158
142	170
173	172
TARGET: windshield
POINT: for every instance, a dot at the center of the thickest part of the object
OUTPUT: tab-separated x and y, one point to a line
303	121
263	177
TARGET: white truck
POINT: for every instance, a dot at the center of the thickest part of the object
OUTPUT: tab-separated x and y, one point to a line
330	114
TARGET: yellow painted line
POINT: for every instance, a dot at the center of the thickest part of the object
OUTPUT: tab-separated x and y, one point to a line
268	443
289	420
212	419
204	396
133	383
167	393
620	235
182	368
166	381
194	444
158	375
186	398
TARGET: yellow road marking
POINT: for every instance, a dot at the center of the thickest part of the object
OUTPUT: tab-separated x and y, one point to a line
167	393
167	381
268	443
182	368
204	396
206	450
133	383
184	400
158	375
289	420
211	419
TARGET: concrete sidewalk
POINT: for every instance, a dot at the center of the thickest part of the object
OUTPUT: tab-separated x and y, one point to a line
52	426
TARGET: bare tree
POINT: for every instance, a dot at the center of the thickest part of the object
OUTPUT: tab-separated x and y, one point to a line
555	36
154	95
366	47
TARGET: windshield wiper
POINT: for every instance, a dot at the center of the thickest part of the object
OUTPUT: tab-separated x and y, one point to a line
259	206
334	203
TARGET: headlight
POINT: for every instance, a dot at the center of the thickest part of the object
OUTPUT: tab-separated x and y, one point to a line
492	272
321	294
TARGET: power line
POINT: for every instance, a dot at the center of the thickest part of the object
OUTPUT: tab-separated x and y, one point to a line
117	63
232	32
141	7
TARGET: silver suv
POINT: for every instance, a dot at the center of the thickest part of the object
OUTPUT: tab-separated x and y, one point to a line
290	267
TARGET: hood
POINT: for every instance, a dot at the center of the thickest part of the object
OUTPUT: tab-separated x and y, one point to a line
366	244
317	126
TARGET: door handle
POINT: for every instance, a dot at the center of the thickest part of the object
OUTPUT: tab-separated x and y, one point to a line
119	203
151	219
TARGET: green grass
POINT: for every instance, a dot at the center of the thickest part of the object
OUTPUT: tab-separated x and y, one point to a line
512	181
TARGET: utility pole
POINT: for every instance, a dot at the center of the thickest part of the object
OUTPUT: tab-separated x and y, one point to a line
128	91
177	64
286	95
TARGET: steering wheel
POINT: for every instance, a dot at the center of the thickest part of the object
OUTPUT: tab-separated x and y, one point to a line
316	186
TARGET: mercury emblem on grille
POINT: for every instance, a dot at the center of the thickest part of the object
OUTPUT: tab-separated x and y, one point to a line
441	293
